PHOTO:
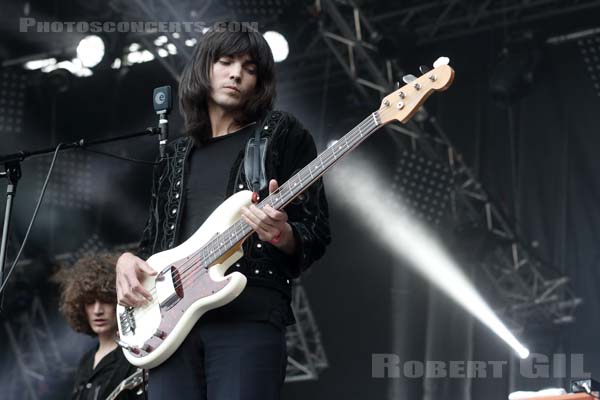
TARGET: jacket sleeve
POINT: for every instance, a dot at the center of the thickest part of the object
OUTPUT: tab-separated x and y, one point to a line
308	214
149	236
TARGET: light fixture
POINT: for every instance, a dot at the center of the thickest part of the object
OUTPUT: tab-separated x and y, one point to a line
279	45
39	64
90	51
159	41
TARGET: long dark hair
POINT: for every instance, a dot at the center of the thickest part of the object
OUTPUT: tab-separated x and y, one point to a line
195	88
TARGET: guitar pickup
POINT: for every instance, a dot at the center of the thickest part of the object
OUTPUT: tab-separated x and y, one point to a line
169	289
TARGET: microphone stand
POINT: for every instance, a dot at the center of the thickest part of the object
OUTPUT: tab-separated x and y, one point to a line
12	172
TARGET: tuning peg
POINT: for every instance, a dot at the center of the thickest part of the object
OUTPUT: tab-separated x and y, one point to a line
408	78
397	85
441	61
424	69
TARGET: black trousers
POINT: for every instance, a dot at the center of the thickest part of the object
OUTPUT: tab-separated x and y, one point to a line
224	361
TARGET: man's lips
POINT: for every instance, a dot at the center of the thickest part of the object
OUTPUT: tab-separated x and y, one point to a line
232	88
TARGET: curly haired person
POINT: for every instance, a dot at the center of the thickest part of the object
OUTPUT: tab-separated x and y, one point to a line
88	300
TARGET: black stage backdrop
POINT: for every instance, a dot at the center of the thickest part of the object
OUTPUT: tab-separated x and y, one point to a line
351	289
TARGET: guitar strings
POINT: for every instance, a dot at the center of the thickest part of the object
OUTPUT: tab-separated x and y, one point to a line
191	271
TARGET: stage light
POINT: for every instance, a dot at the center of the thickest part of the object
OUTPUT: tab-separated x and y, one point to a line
590	51
134	47
408	240
159	41
279	45
116	64
91	51
13	84
138	57
75	67
39	64
73	182
171	48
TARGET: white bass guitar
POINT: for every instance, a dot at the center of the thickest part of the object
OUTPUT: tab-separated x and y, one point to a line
191	277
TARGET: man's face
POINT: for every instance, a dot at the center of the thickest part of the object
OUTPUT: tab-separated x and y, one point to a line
101	317
233	79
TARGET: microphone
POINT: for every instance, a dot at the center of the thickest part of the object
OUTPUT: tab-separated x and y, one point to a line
163	104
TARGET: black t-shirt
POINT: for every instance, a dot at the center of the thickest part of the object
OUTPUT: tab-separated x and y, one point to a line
206	178
97	383
205	184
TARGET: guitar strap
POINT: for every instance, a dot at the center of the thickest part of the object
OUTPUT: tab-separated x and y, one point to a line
255	155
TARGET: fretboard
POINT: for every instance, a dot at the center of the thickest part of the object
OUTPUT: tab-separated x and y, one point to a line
287	192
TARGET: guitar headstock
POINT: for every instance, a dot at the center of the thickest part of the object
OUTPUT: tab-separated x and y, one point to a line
405	101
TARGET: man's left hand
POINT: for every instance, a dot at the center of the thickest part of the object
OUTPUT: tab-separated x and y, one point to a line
271	224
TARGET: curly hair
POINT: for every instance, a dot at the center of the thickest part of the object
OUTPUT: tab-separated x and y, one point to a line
195	82
91	278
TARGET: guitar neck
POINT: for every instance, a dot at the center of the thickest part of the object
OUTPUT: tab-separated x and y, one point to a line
294	186
397	106
316	168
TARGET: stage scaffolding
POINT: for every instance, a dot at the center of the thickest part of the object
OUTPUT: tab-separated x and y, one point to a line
531	290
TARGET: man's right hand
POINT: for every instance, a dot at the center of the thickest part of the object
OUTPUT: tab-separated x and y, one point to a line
130	272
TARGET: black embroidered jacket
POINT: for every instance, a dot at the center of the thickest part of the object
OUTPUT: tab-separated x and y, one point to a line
290	147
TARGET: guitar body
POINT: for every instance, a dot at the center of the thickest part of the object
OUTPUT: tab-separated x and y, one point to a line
151	333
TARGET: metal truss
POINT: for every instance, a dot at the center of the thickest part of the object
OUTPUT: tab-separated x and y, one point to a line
306	356
358	61
357	56
445	19
530	289
36	354
164	10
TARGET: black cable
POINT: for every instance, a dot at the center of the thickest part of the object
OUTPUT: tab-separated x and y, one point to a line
37	207
120	157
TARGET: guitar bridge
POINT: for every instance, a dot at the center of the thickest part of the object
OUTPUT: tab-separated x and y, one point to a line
127	321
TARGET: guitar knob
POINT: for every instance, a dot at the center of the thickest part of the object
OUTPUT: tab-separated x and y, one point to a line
160	334
147	348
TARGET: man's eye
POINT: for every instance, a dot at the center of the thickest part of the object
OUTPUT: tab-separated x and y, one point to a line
225	62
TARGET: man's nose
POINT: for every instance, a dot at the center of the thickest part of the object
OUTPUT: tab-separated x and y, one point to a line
98	308
235	72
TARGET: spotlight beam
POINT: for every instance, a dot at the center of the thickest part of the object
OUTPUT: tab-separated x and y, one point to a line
406	239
